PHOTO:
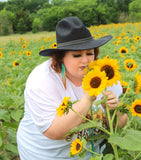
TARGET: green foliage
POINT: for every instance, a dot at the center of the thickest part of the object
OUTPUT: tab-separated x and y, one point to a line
14	5
6	18
130	141
91	12
50	20
57	2
21	26
36	25
34	5
2	5
22	17
91	124
50	23
135	11
5	30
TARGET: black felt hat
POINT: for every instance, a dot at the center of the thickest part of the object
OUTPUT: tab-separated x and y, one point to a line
71	34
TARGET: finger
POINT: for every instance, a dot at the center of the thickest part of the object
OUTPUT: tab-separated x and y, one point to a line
110	95
113	105
112	101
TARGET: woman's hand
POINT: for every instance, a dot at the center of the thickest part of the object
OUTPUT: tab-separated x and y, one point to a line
112	100
88	97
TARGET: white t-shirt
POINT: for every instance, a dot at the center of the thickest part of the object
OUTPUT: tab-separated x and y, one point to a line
44	92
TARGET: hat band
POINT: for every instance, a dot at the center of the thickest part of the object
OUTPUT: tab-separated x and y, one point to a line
74	42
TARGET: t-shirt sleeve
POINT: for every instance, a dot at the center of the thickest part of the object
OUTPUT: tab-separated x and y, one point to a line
42	101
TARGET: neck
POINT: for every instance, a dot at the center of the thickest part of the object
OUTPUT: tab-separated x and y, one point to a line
77	82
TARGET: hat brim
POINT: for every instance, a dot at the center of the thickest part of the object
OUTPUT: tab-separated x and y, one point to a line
92	43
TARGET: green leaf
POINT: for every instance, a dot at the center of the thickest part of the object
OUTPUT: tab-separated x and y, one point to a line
98	102
17	115
108	157
10	125
95	157
3	157
0	141
131	140
12	148
12	135
93	124
4	115
98	136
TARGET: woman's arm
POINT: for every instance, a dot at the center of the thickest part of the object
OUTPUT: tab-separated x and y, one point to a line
62	125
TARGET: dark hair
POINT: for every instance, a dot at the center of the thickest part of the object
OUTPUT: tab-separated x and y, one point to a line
57	59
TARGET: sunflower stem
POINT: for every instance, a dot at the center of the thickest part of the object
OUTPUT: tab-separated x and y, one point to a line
78	157
115	151
101	128
113	116
109	119
124	129
137	155
116	126
124	94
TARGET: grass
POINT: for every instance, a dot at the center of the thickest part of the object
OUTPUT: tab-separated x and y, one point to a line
28	36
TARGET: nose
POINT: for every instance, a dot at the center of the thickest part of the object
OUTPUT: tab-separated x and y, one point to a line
85	58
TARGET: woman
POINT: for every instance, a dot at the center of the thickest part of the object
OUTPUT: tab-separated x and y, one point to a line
41	133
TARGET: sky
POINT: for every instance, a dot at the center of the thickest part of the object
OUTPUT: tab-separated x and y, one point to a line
3	0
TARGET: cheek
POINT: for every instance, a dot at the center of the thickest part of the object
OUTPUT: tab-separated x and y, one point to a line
91	58
71	65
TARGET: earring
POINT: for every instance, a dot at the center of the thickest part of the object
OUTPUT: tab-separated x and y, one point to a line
63	71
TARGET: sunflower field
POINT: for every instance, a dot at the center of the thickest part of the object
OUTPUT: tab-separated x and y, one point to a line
19	57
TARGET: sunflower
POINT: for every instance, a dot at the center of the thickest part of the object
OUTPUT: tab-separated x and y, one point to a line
42	48
95	81
45	39
123	50
91	66
124	86
15	63
20	53
62	108
8	82
28	53
130	64
0	54
133	48
54	45
138	82
111	68
138	38
24	46
136	108
76	147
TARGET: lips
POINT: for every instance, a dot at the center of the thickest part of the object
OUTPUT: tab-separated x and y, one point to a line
82	67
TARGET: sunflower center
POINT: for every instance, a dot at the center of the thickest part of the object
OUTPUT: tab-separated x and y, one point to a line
138	108
109	71
63	104
16	63
123	51
95	82
129	65
78	146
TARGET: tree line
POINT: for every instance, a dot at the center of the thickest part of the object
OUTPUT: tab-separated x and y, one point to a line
20	16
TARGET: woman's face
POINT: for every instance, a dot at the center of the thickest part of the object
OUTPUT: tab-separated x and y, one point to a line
75	62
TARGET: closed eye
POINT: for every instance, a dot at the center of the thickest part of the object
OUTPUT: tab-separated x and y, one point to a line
89	54
77	55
